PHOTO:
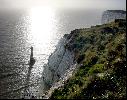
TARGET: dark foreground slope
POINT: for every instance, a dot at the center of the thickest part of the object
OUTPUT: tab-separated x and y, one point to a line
100	52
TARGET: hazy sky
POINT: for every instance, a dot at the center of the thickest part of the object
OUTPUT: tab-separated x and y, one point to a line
100	4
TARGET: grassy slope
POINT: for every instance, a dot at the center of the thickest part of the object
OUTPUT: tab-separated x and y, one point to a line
100	52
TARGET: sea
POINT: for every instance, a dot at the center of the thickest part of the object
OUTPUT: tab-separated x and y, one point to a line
41	28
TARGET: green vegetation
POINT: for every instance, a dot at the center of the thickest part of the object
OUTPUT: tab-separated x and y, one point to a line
100	52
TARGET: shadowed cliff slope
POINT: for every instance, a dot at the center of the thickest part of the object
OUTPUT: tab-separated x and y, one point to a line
100	52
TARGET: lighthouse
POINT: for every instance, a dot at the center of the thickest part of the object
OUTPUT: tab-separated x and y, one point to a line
32	60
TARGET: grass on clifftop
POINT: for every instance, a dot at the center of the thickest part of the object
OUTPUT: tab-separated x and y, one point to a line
100	52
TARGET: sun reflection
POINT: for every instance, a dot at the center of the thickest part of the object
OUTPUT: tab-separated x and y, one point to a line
42	36
42	27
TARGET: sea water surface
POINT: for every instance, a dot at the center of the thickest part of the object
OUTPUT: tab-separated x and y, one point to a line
38	27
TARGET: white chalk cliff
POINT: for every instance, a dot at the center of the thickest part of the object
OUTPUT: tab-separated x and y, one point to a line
56	69
111	15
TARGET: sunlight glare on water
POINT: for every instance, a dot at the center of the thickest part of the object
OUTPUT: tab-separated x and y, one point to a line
42	28
42	36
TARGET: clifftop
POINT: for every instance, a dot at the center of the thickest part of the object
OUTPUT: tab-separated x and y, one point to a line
117	11
100	53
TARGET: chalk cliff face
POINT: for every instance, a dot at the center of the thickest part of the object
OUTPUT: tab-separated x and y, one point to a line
111	15
59	62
